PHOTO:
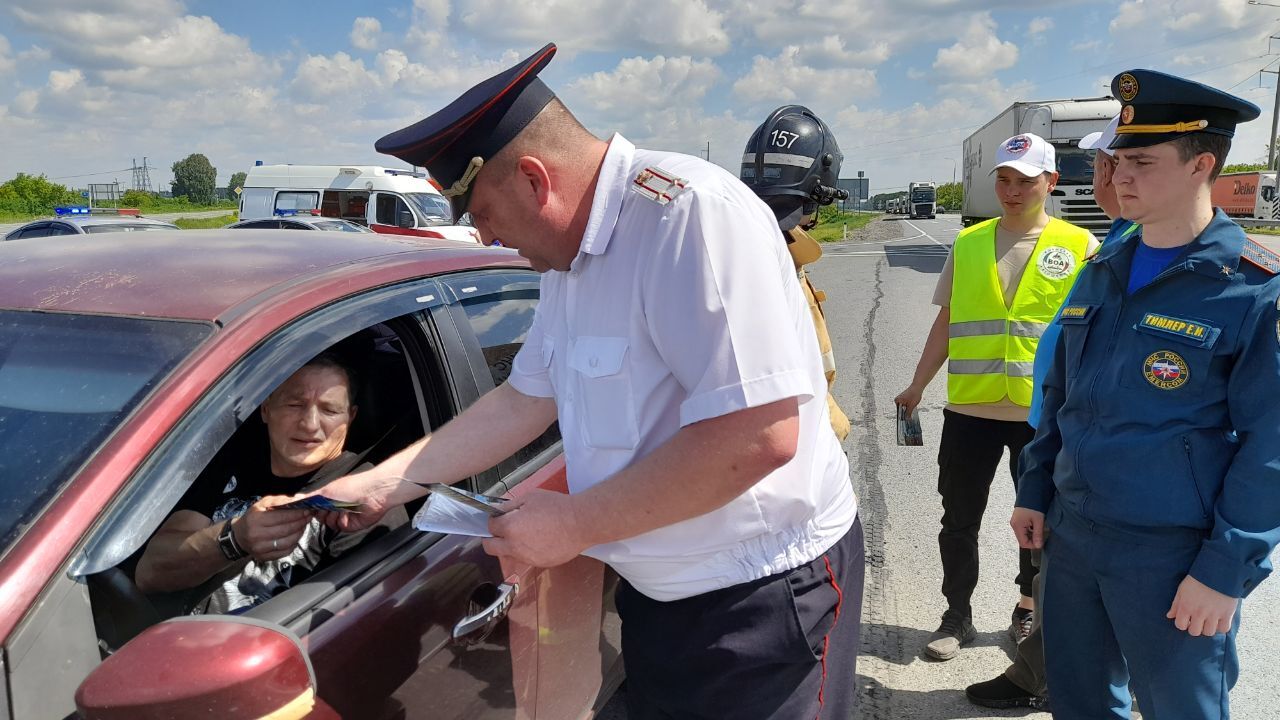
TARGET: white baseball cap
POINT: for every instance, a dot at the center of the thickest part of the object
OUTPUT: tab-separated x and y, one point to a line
1102	139
1029	154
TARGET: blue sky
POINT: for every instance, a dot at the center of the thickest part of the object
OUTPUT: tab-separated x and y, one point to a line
87	86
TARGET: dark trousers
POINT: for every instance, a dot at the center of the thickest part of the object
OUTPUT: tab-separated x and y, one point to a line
782	647
1027	669
968	458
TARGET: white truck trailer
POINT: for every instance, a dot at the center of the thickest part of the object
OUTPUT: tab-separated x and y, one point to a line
1062	123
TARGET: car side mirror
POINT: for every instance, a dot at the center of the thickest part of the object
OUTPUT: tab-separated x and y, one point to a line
404	219
204	666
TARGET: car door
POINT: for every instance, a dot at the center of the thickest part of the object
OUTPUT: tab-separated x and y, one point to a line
410	625
578	641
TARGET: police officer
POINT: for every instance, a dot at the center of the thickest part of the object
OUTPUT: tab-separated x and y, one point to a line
792	161
673	344
1156	465
1001	284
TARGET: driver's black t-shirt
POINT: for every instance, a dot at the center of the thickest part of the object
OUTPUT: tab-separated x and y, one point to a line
227	489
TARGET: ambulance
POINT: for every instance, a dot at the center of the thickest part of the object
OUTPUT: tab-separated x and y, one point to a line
395	202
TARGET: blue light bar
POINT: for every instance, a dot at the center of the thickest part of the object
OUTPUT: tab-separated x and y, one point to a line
71	210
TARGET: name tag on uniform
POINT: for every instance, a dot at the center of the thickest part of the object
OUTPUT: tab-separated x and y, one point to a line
1075	314
1189	331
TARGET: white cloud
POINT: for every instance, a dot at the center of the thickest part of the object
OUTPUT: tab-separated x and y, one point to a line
1039	26
630	85
977	53
365	33
7	61
786	78
666	26
326	78
1086	46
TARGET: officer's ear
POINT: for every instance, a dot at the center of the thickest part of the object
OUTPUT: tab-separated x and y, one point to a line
1205	162
533	180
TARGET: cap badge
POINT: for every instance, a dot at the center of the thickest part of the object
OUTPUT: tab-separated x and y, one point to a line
1128	87
658	186
1126	115
1017	145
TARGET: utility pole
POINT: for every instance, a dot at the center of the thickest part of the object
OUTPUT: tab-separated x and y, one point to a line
1275	113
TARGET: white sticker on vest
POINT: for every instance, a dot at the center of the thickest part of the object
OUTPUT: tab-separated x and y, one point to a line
1056	263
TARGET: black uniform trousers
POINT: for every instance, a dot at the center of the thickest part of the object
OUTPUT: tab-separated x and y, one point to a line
782	647
968	458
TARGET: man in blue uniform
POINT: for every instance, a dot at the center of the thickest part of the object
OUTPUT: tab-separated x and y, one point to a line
1156	464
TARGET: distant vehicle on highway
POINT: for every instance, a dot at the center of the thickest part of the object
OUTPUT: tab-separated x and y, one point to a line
922	198
394	202
84	220
300	221
1248	195
1062	123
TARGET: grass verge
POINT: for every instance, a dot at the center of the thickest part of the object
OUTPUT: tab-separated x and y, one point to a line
205	223
832	226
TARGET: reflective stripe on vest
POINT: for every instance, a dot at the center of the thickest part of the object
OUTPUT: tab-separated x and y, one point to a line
992	348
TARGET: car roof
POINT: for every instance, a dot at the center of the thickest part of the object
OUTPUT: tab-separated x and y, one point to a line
110	220
310	220
206	274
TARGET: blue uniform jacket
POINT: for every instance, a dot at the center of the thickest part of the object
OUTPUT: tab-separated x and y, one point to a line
1162	408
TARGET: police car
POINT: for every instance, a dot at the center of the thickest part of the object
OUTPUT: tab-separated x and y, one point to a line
301	220
84	220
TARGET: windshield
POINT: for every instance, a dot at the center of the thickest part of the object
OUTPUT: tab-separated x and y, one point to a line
433	207
127	227
340	226
66	382
923	195
1075	166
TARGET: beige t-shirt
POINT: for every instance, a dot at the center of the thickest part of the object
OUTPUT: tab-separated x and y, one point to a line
1013	253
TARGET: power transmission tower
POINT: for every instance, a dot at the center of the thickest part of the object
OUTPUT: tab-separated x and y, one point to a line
141	176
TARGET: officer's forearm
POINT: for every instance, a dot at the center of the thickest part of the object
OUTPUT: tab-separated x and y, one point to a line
701	468
935	350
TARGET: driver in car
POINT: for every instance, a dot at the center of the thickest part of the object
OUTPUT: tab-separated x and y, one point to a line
225	548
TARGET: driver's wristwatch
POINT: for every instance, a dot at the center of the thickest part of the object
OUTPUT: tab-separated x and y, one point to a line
231	550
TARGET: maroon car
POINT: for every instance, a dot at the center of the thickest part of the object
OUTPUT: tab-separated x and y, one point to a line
127	368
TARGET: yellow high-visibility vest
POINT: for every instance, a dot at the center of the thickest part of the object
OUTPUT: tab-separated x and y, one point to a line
991	348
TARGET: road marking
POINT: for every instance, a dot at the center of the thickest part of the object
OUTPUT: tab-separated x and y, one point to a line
923	232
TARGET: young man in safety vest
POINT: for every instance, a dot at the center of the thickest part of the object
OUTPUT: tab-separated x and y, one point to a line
1000	287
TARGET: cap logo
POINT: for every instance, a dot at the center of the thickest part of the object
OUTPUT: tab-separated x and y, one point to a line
1128	87
1017	145
1126	115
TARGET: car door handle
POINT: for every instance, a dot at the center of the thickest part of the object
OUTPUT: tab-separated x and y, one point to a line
475	628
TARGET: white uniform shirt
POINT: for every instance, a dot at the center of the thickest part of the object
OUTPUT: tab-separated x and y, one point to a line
674	313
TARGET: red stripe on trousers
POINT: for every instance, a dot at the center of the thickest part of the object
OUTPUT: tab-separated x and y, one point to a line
826	639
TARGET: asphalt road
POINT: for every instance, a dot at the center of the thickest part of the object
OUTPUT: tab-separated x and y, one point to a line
879	287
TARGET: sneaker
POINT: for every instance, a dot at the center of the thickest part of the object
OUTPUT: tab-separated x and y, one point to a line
1001	693
1020	627
945	642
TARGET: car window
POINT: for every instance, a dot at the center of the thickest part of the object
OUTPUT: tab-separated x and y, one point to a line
297	200
35	231
66	383
388	208
57	228
259	225
500	308
293	225
339	226
434	208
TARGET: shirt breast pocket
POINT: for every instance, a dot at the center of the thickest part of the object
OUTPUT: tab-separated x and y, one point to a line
604	392
1170	355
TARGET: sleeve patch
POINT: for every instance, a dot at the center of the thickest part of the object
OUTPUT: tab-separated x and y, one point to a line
657	185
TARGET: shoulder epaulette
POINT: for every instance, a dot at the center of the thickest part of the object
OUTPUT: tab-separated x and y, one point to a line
658	185
1260	256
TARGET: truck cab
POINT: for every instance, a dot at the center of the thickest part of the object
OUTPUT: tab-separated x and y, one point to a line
395	202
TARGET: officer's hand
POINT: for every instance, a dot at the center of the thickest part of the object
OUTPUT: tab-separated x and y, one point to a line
1200	610
909	398
268	534
372	492
540	531
1028	527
